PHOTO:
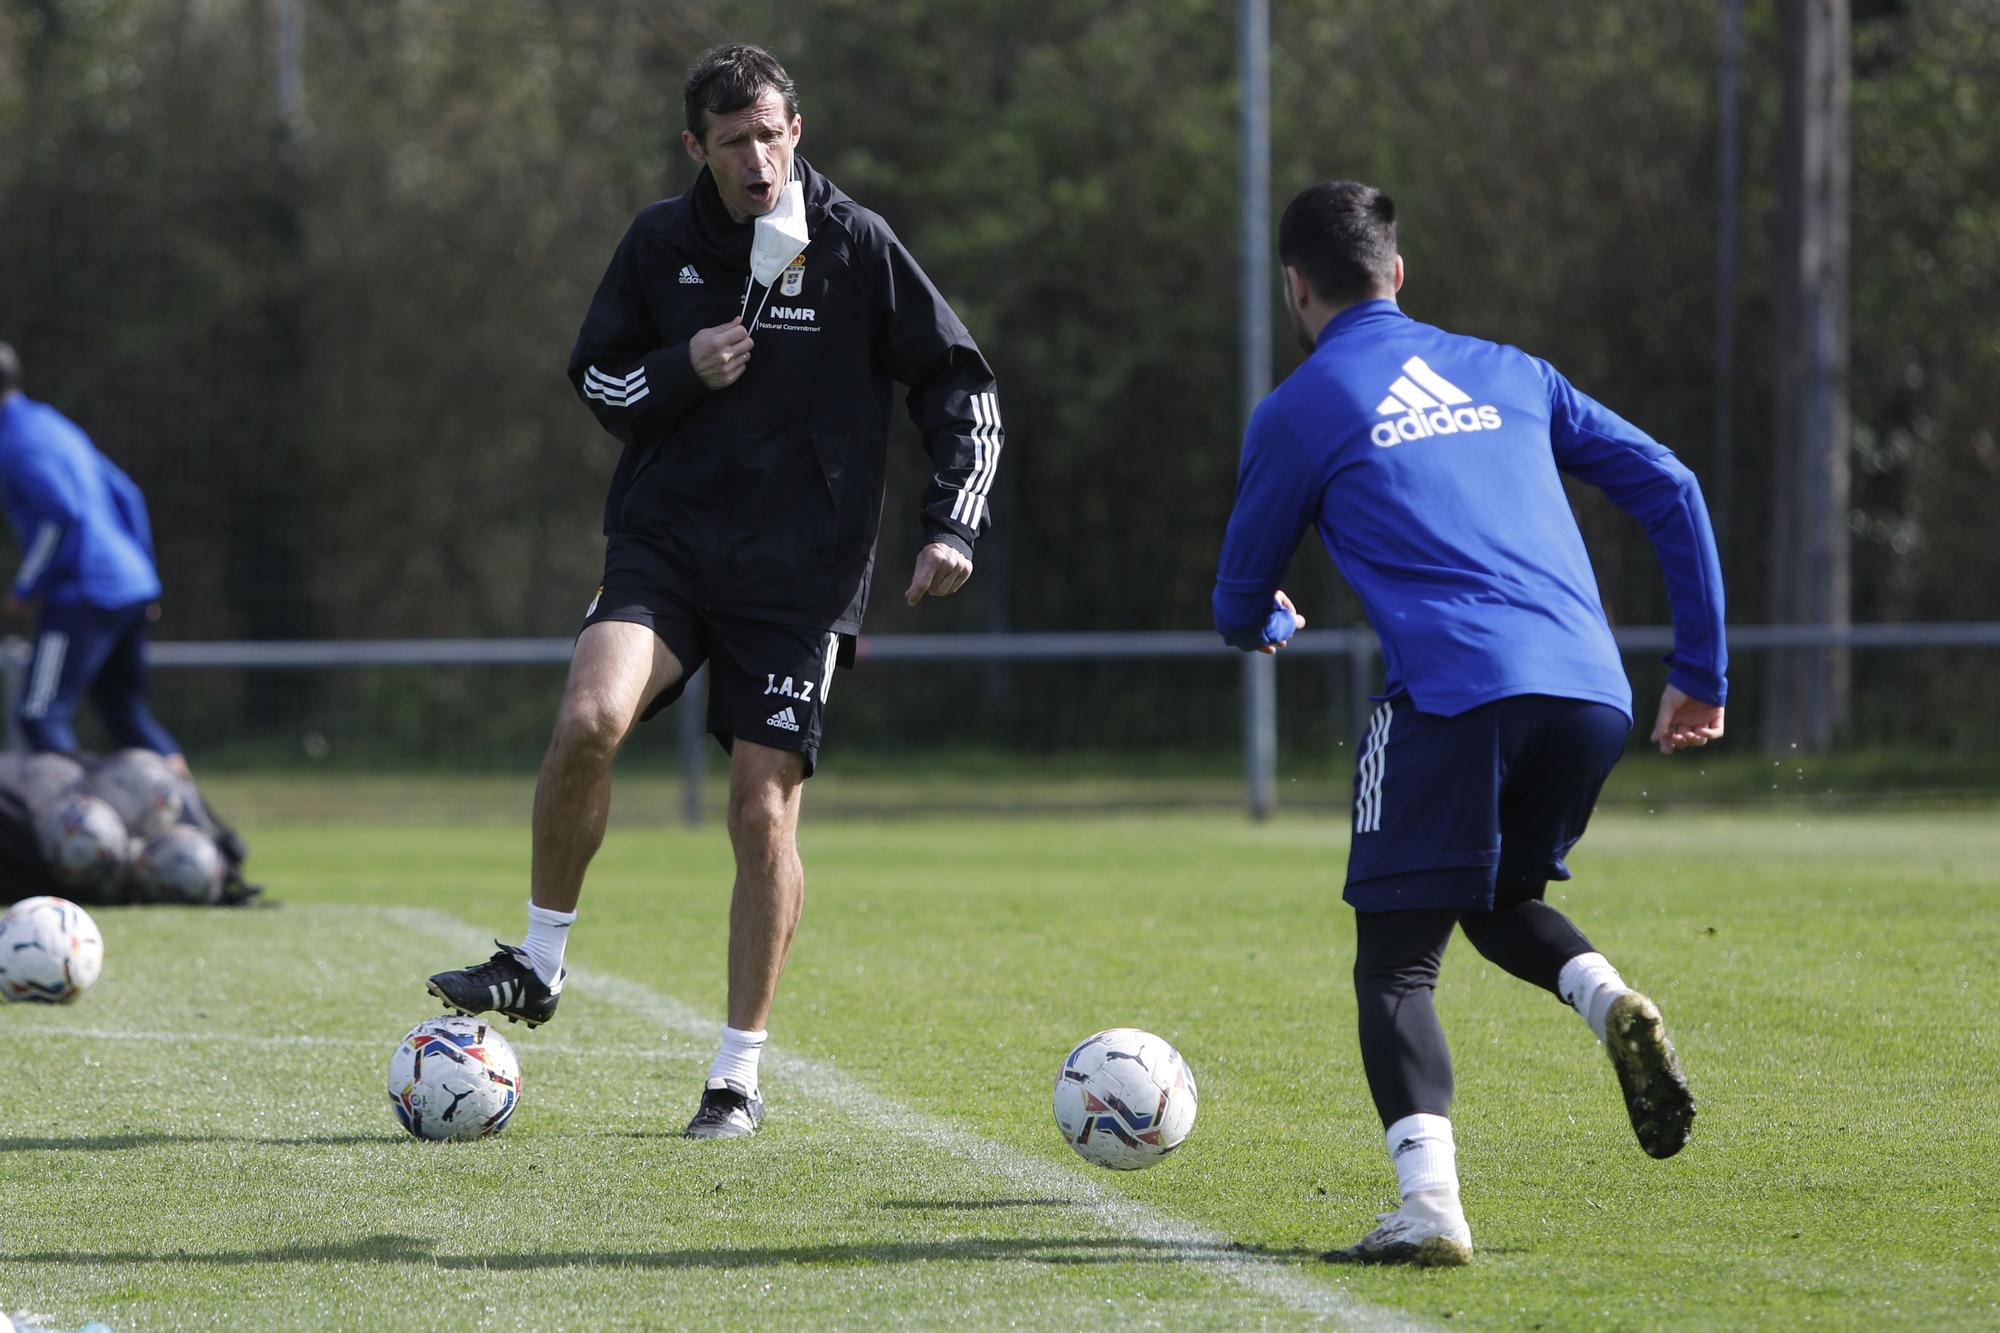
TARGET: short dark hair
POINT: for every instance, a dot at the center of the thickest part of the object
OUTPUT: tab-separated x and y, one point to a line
1342	236
729	78
10	369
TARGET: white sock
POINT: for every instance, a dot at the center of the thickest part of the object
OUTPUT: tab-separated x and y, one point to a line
1425	1157
1588	984
736	1062
548	936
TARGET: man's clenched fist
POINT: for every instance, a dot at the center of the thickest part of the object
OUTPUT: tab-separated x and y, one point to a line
941	571
721	354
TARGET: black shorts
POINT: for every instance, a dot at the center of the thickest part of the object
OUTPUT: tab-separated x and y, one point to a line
767	682
1446	807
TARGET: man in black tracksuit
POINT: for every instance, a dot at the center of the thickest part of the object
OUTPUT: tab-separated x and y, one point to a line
742	346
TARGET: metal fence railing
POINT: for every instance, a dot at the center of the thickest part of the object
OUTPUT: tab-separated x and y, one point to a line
1259	672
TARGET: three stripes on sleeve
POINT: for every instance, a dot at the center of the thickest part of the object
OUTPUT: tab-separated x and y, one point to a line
987	439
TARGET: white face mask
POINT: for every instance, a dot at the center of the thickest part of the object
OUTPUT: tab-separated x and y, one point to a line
780	236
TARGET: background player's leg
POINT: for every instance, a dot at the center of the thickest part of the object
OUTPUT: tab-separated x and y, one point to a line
617	667
1562	750
70	646
764	790
1535	942
1524	935
1403	1052
118	692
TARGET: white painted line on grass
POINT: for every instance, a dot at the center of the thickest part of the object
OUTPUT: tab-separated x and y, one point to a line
564	1049
1269	1278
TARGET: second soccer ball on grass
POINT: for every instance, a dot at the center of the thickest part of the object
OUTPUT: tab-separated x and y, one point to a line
1124	1099
454	1078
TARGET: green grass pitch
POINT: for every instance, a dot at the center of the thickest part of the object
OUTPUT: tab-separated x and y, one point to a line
203	1141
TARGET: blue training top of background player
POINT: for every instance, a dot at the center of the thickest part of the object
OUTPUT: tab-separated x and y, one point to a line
81	522
1429	462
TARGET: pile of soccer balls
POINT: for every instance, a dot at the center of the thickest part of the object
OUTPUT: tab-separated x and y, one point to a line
115	833
50	951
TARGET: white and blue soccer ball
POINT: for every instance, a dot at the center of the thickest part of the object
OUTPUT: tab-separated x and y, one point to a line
48	778
182	865
142	789
50	951
1124	1099
84	843
454	1078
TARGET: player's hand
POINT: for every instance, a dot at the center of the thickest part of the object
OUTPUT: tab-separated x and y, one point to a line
720	355
153	612
1685	723
16	609
941	571
1298	621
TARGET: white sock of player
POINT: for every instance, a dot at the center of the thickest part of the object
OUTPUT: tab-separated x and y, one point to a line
1588	984
736	1062
1426	1161
548	936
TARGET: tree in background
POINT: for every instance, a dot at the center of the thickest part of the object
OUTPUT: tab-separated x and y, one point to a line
333	351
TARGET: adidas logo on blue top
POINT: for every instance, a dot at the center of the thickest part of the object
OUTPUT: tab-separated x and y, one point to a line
1425	403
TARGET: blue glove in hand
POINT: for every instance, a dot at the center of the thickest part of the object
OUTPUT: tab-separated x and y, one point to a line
1280	625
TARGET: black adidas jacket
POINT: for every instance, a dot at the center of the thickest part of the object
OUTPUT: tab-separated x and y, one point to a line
765	498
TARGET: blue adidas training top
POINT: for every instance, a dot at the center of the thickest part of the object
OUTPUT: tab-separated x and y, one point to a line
1430	464
80	521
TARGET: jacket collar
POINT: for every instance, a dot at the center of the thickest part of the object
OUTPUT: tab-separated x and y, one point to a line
703	226
1380	311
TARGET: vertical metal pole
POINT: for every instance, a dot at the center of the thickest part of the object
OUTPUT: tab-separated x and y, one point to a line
290	61
1729	146
1810	545
1260	678
693	706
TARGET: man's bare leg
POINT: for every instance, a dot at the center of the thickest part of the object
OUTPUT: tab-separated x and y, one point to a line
764	789
616	670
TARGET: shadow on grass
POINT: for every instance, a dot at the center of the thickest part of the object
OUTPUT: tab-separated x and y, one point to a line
973	1205
391	1249
151	1139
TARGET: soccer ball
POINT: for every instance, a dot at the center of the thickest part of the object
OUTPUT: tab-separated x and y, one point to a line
48	778
50	951
1124	1099
142	789
454	1078
182	865
83	841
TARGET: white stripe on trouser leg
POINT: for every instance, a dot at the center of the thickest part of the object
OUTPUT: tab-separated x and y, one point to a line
1367	779
1381	769
47	677
826	676
1364	770
1367	799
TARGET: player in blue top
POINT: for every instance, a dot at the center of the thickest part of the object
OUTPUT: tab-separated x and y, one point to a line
1431	465
87	555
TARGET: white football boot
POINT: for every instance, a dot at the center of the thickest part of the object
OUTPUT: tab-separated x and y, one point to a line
1429	1230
